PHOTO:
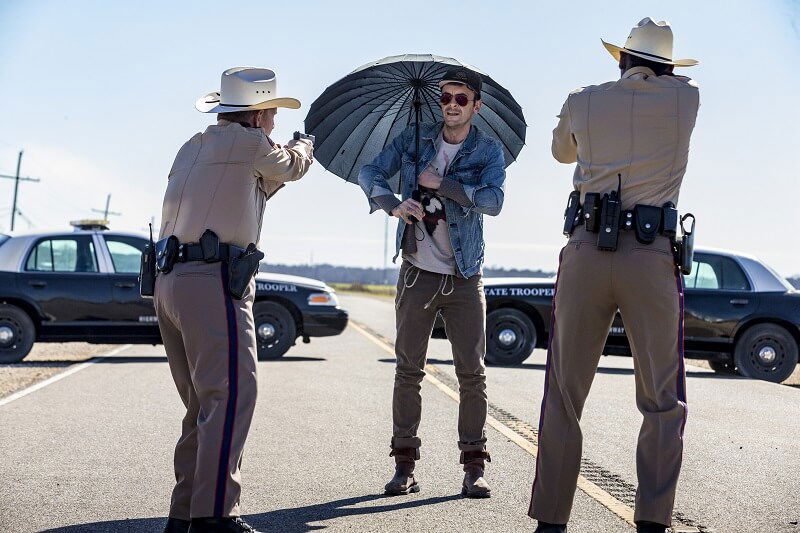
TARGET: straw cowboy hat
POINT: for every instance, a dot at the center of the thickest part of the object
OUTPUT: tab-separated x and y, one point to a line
245	89
650	40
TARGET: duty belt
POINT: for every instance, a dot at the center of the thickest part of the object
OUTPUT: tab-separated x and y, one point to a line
194	252
603	215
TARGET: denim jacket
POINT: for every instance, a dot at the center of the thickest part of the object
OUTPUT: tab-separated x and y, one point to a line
478	168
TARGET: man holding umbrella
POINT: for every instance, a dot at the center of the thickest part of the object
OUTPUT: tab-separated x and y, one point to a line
440	232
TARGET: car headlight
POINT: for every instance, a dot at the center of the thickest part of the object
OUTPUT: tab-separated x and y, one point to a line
323	298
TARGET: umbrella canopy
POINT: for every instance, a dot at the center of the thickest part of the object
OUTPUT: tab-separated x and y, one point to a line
356	117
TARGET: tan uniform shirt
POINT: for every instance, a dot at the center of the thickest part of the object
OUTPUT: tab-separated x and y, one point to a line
221	180
638	126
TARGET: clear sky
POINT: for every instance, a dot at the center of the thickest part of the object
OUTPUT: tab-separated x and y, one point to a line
100	95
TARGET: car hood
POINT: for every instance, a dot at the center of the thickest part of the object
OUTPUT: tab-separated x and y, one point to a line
539	282
269	277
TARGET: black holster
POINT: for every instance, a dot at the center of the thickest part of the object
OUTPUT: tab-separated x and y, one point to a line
242	269
147	271
684	248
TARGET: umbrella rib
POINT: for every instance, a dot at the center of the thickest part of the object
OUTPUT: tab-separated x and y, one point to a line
428	103
376	97
497	135
358	155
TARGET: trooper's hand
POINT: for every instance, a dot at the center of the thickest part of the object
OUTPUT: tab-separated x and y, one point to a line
409	208
307	145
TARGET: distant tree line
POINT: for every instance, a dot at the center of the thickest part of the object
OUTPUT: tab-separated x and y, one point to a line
377	276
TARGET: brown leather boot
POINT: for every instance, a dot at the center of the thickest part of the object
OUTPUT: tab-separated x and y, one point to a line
474	486
403	481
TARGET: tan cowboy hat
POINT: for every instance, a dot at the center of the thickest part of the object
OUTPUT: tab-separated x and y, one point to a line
245	89
650	40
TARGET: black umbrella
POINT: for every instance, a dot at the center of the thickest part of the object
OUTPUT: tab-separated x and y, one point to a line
357	116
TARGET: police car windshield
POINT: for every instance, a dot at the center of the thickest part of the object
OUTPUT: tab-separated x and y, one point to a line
3	238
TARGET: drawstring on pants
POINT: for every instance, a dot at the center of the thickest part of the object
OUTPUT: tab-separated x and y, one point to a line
441	289
406	285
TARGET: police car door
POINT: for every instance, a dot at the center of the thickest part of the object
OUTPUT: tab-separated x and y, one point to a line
123	254
717	297
62	274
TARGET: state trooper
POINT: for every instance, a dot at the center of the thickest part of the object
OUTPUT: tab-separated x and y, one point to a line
630	139
207	258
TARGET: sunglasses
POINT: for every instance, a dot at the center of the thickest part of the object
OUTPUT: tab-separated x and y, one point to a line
461	99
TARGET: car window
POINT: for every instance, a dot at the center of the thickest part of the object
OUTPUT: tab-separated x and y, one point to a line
733	277
63	254
126	252
704	274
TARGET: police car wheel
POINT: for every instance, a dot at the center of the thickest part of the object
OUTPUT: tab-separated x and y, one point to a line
510	337
275	330
767	352
17	334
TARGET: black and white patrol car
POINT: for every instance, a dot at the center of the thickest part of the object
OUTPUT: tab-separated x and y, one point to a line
740	315
83	286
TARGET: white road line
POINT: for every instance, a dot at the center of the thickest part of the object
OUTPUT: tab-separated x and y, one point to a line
58	377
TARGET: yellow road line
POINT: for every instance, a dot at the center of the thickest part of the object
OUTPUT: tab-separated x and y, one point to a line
591	489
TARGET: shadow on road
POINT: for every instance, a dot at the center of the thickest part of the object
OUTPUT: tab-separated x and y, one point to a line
600	370
289	520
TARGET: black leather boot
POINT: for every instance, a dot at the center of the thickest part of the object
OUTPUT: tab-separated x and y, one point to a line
545	527
474	486
403	481
176	525
650	527
220	525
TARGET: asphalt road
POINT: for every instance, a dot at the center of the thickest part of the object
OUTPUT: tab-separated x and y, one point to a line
92	452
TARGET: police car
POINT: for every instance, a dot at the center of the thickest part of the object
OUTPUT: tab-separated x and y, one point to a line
83	286
740	315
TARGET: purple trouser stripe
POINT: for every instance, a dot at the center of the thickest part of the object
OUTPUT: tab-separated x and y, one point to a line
547	373
681	378
233	392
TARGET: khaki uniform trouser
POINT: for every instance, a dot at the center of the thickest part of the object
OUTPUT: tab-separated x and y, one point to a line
210	342
463	306
642	281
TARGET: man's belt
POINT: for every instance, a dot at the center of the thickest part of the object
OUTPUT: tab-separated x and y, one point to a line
242	262
603	215
193	251
170	251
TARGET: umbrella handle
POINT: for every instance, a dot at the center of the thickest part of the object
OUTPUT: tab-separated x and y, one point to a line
415	195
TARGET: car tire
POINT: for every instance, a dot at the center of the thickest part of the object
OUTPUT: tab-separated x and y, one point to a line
722	367
767	352
276	330
510	337
17	334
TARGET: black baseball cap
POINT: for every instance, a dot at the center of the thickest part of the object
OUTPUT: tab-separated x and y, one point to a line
463	75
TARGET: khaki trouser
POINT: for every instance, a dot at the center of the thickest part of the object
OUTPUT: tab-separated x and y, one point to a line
211	347
463	305
642	281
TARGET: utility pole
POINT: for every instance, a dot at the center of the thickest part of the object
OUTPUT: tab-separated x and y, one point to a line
16	179
106	212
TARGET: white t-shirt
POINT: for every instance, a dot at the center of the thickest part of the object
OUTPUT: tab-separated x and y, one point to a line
434	251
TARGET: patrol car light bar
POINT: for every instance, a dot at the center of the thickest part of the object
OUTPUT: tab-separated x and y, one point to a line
90	223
